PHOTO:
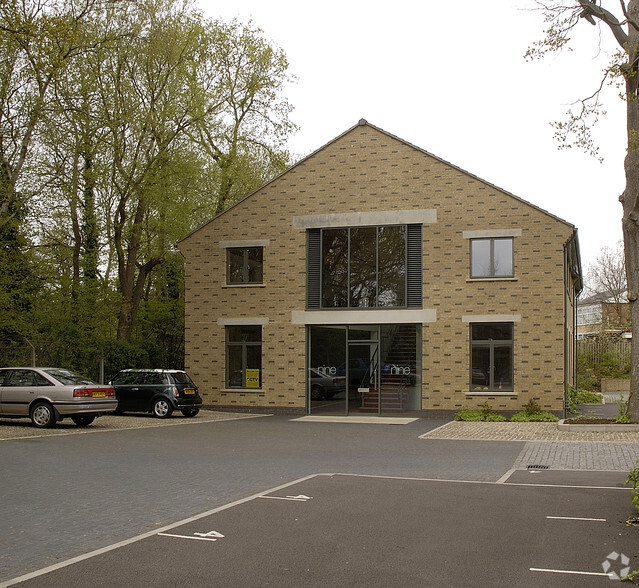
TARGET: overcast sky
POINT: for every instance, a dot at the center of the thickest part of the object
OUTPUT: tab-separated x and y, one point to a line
450	78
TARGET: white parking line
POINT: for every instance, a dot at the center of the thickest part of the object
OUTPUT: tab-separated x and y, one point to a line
187	537
576	519
573	572
300	498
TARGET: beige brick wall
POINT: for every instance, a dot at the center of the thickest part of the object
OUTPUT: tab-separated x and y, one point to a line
368	170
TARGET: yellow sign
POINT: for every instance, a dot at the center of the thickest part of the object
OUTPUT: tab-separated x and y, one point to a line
252	378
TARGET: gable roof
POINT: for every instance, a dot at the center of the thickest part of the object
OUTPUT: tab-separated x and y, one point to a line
364	122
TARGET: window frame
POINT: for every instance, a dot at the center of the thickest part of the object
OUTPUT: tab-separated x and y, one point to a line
351	268
491	271
244	346
492	344
245	281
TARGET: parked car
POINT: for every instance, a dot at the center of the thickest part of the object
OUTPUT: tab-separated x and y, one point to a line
325	386
156	391
48	395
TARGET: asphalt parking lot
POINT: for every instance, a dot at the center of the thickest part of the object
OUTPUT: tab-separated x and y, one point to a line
376	531
276	501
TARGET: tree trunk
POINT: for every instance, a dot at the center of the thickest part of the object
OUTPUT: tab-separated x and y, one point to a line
630	201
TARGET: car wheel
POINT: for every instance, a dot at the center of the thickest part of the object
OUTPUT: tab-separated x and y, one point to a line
190	412
162	408
42	415
317	392
82	420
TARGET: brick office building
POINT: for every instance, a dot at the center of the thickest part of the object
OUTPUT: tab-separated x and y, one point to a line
374	277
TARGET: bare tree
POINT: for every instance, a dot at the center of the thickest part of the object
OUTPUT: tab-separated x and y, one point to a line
562	18
607	275
606	283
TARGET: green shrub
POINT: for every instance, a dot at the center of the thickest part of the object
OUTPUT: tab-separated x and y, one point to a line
571	399
467	414
536	417
622	411
588	397
633	478
610	366
532	406
485	413
586	376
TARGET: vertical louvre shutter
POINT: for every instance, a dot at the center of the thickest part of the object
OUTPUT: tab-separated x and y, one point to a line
314	268
414	296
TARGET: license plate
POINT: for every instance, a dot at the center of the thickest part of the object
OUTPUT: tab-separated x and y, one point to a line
98	394
189	391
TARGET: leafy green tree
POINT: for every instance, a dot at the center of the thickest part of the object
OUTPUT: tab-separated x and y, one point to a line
39	41
124	124
246	121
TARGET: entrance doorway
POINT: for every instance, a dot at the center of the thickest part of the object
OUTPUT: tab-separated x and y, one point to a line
371	369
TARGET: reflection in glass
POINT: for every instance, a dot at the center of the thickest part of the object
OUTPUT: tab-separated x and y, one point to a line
491	356
480	258
400	378
364	267
363	273
364	369
244	265
503	377
326	373
491	258
243	352
335	268
503	258
392	266
480	375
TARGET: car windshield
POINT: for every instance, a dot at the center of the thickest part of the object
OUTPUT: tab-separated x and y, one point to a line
68	378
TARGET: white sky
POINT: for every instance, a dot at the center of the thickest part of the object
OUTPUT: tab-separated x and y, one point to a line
450	78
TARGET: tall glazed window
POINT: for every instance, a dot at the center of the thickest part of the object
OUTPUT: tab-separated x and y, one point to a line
365	267
334	268
391	266
244	356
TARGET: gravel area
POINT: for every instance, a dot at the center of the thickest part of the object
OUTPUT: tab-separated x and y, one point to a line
22	428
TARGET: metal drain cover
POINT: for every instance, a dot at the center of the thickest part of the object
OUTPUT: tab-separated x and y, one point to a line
538	467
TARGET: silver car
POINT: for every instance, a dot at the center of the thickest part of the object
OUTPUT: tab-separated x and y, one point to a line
48	395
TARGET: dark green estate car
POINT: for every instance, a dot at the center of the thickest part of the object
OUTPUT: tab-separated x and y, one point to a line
156	391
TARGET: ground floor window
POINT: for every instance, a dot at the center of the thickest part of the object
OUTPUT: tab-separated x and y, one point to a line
491	367
374	369
243	356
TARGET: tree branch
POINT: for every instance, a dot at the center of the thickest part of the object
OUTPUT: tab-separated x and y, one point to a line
590	11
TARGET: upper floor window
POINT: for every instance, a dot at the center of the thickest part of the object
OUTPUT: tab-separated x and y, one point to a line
244	265
589	315
492	258
364	267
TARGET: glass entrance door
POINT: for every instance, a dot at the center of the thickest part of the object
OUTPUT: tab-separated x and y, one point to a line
363	377
364	369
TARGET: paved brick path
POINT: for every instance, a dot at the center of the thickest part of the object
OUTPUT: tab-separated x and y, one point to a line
546	445
483	431
590	455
